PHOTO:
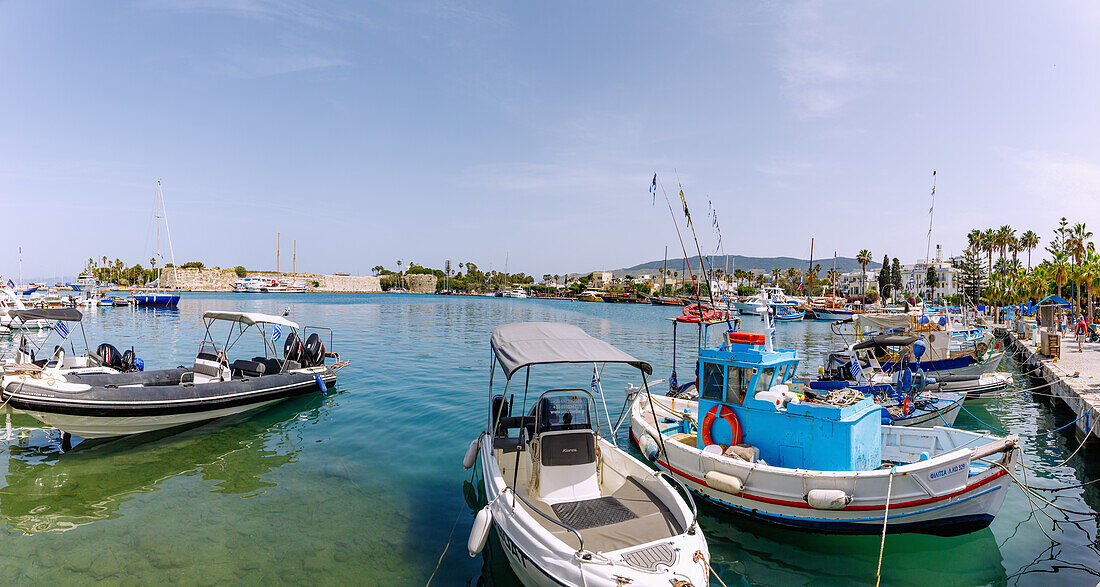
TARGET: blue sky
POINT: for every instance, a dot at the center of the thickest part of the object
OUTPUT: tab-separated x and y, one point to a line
475	131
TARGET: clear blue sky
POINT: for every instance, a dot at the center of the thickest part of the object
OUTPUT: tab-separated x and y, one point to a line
424	131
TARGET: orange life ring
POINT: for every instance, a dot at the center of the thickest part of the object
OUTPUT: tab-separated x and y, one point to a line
724	413
700	312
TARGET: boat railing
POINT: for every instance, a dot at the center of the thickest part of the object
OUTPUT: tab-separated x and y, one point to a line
687	495
580	539
330	335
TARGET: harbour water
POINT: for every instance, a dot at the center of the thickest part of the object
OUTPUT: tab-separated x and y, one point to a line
365	485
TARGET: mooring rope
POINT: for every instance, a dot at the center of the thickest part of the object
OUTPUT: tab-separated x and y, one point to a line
444	553
698	557
885	518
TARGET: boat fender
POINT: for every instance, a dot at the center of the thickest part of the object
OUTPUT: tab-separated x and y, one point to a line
649	447
320	383
828	499
471	454
479	533
720	411
724	482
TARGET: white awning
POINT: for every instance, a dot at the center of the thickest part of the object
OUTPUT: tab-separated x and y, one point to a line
249	318
539	343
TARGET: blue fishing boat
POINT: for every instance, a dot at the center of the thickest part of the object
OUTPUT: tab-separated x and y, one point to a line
157	300
756	444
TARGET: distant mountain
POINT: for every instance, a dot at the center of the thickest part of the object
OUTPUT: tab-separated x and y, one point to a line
758	264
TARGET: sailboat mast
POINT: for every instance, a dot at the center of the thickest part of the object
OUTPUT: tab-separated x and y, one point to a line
928	248
810	272
294	258
664	272
278	249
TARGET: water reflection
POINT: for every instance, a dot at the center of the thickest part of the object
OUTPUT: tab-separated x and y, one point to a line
49	490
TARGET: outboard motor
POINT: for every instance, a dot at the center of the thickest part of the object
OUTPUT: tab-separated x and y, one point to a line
110	356
315	351
292	348
128	359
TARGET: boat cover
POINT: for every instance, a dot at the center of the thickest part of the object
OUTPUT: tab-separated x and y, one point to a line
876	322
249	318
886	340
538	343
63	314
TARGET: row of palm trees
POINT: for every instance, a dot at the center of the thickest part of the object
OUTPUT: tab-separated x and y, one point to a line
1073	258
1002	239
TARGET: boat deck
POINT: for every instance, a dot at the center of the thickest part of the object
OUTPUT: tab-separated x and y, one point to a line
628	517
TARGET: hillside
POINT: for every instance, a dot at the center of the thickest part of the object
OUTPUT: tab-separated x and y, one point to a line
759	264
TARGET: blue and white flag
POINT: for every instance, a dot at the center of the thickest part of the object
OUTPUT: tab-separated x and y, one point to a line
62	329
276	333
11	284
855	370
595	381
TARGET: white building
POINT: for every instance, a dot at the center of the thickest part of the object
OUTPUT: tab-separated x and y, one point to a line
854	283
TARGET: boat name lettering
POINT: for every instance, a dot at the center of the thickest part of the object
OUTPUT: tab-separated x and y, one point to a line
948	471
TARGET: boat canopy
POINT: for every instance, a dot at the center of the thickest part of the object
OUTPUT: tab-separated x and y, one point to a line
539	343
886	340
62	314
248	318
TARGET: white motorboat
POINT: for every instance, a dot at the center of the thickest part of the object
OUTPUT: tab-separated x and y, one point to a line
240	285
515	292
758	304
93	405
9	301
570	507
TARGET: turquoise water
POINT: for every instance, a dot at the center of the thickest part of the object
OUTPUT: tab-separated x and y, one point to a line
364	485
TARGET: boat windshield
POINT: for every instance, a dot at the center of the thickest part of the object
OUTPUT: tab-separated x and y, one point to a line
563	412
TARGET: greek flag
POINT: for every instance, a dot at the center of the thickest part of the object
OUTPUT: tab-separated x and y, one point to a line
11	284
855	370
276	333
653	189
62	329
595	381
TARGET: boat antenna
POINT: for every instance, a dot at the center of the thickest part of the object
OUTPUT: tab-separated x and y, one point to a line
698	249
810	272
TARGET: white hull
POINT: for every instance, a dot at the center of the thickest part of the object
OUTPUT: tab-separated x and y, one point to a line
750	309
540	557
952	492
101	427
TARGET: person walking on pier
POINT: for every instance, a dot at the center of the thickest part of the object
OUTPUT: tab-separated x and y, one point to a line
1079	331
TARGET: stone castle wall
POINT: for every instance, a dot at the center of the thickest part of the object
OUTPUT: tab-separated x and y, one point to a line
421	284
222	280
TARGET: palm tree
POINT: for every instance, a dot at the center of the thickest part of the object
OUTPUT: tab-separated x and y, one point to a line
1077	245
1060	272
989	243
1029	240
1005	235
974	240
1091	275
863	257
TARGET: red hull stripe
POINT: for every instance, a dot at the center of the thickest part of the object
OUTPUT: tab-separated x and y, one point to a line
851	508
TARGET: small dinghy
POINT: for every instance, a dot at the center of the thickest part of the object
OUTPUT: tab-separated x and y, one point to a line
751	445
93	405
570	507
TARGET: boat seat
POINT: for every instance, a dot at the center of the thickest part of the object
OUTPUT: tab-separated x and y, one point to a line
207	368
271	366
244	368
507	444
567	466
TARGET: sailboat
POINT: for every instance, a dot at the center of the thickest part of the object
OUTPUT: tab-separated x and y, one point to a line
157	297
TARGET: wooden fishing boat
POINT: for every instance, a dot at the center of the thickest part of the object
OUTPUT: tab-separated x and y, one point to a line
750	445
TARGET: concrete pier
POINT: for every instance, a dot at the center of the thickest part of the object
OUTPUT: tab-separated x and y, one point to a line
1074	377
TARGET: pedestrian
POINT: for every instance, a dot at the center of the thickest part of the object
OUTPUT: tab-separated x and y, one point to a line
1082	327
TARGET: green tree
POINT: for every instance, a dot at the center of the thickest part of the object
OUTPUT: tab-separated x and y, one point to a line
885	278
1029	240
971	274
931	280
895	275
240	271
863	257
